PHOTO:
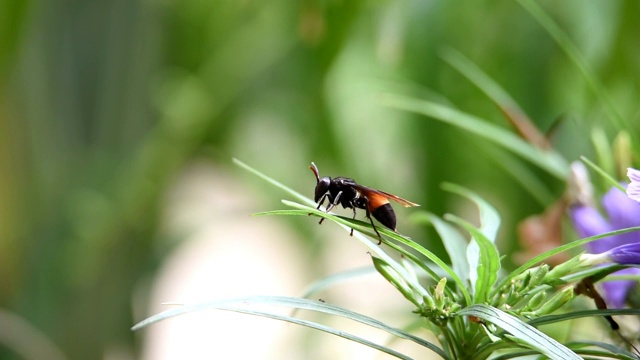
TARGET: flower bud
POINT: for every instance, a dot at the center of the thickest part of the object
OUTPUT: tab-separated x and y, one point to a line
628	254
556	301
535	301
567	267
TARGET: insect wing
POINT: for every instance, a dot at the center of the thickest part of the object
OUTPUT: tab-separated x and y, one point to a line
373	192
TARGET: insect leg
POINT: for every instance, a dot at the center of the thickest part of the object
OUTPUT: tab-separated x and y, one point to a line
366	202
331	205
354	216
320	202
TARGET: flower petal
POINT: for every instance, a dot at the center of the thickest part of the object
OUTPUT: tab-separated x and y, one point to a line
628	254
633	191
588	222
623	213
616	291
633	174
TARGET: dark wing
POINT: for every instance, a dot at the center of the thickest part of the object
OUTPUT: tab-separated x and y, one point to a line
368	191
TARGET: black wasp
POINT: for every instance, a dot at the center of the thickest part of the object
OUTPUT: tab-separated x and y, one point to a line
349	194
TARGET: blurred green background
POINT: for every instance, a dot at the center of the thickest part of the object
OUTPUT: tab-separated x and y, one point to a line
104	103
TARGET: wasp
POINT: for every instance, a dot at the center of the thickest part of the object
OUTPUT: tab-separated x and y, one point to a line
349	194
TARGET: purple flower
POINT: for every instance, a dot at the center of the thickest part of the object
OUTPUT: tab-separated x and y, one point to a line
633	190
622	213
628	254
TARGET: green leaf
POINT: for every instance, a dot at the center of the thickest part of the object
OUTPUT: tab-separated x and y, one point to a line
574	244
526	333
522	173
549	161
612	351
550	319
489	217
596	273
602	173
482	255
571	50
244	305
278	184
398	281
365	228
332	280
453	241
472	72
485	273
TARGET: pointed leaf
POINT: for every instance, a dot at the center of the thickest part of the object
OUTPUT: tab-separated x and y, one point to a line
549	161
488	261
365	227
272	181
526	333
243	305
453	241
482	255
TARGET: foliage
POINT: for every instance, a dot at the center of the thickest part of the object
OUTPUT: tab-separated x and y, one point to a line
105	105
470	324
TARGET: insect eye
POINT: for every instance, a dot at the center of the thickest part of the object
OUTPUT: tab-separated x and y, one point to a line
322	187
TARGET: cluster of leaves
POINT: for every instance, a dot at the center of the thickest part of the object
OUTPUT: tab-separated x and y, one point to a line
473	307
472	310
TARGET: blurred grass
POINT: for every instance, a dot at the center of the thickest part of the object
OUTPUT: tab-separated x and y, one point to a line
103	103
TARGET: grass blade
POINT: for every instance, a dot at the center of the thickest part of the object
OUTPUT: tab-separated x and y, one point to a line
365	228
453	241
602	173
549	161
243	305
278	184
565	43
574	244
524	332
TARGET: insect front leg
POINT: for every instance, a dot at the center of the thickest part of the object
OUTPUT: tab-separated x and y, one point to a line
331	205
320	202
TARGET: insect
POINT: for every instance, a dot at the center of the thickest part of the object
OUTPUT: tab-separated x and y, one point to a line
349	194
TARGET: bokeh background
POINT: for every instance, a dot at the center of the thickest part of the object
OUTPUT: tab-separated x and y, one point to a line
119	120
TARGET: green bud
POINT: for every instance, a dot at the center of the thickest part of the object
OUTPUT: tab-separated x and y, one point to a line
567	267
537	276
524	278
500	300
556	301
455	307
512	297
438	293
428	301
535	301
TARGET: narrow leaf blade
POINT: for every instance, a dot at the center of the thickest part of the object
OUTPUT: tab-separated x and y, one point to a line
534	338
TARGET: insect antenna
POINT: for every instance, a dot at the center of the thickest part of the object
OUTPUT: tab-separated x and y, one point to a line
314	168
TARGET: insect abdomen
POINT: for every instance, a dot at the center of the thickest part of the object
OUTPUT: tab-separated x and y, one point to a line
385	215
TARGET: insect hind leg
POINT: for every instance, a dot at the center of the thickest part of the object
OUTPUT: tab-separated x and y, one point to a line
368	215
